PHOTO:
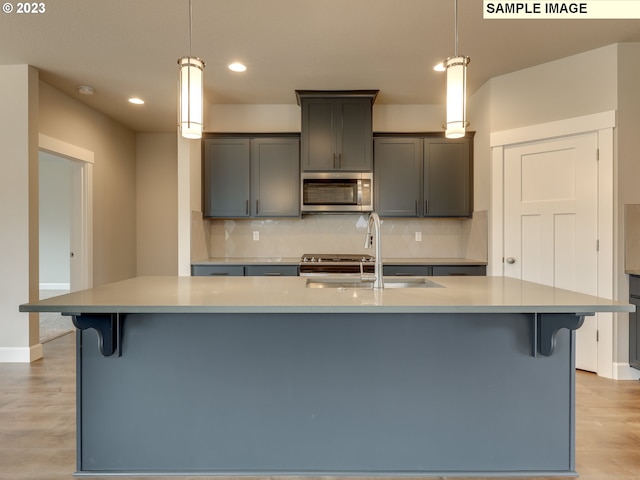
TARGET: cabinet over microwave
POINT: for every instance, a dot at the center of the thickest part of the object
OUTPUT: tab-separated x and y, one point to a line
337	192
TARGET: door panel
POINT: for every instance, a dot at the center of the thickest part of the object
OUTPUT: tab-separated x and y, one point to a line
551	214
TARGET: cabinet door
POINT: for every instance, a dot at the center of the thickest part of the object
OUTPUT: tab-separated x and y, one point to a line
318	134
226	177
354	135
447	178
397	176
275	177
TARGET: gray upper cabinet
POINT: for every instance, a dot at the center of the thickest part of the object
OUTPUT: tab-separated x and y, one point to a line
396	177
423	176
251	177
447	177
275	164
336	130
226	177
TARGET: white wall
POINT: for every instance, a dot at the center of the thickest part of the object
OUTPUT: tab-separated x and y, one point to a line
54	220
19	334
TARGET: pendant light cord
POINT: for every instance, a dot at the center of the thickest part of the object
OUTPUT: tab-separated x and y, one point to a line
455	24
190	20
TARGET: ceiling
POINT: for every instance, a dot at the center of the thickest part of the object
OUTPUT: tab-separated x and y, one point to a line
125	48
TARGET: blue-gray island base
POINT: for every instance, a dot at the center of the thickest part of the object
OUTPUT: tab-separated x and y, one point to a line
263	376
331	394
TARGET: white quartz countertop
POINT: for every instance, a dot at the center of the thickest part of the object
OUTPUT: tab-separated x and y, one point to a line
296	261
290	295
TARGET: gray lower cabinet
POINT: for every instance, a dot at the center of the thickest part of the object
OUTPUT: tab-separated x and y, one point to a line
217	270
460	270
435	270
634	322
271	270
423	176
406	270
251	177
244	270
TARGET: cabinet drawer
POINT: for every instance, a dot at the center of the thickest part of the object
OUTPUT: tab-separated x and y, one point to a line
271	270
444	270
217	270
406	270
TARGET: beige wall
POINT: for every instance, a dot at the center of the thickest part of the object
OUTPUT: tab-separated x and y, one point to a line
18	212
157	204
573	86
114	183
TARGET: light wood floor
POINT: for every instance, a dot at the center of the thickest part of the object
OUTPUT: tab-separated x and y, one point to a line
37	421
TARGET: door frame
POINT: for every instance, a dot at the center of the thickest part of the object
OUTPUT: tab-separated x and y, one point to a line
85	158
603	124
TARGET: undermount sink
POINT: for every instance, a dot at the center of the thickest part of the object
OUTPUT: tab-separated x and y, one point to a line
344	283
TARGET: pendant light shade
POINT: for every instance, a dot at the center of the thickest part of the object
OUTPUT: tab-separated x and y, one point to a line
456	67
190	92
191	98
456	97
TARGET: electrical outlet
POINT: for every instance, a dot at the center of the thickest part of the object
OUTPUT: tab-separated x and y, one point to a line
418	236
256	236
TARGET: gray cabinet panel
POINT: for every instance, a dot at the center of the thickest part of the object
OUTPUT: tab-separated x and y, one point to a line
318	135
423	176
226	177
634	322
271	270
251	177
445	270
275	177
336	131
355	142
406	270
396	178
447	178
217	270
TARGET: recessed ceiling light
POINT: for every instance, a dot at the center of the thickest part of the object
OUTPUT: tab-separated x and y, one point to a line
136	101
85	90
237	67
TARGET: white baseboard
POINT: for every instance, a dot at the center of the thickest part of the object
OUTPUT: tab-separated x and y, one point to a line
55	286
623	371
21	354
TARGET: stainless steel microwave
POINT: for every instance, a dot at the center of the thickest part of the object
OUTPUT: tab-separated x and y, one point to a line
337	192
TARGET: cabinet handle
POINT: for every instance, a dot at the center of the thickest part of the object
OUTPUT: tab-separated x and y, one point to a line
246	207
272	274
334	160
426	207
218	274
340	160
257	206
416	206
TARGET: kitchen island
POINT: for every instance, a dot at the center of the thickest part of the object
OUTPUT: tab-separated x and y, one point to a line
265	376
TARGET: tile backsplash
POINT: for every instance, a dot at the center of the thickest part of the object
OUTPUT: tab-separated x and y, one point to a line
458	238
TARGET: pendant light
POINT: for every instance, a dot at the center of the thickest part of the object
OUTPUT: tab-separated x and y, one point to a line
190	95
456	68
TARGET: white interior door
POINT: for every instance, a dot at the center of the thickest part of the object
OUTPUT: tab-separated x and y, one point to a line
551	222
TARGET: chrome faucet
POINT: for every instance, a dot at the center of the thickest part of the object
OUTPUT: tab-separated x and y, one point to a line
374	220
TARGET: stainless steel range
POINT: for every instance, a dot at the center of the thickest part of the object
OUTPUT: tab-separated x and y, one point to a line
336	264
